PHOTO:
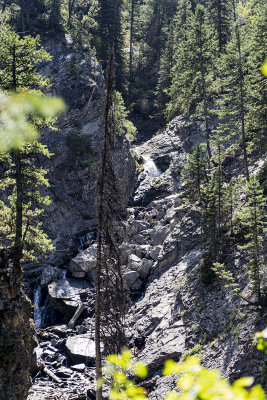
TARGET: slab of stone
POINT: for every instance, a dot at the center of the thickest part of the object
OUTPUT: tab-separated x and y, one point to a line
131	277
81	349
64	295
78	367
154	253
145	267
84	262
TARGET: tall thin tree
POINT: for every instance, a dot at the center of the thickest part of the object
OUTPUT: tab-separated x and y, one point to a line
110	305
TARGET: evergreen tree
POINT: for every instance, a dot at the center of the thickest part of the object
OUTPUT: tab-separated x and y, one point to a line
82	20
213	216
166	65
233	102
253	221
195	174
221	15
255	80
193	71
55	17
18	60
111	36
26	235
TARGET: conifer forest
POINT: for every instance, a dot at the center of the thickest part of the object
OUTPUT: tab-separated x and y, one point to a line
133	183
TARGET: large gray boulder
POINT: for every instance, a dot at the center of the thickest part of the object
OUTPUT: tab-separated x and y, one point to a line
64	295
133	280
50	274
145	267
84	263
81	349
159	234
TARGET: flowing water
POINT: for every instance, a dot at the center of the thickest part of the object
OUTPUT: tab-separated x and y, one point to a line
150	167
86	240
37	305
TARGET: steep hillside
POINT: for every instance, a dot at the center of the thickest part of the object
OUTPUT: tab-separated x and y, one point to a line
178	313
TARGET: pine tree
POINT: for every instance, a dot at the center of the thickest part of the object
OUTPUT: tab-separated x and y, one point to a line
193	71
253	221
82	20
18	60
233	103
195	174
213	216
166	65
55	17
221	14
25	235
255	80
111	36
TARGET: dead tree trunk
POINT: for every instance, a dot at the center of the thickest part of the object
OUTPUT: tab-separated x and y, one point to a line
110	305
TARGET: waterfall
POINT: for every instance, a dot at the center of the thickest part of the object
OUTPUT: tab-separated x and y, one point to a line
150	167
37	305
86	240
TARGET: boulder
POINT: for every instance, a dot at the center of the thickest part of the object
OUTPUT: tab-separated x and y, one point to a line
84	262
154	253
159	234
145	267
137	284
64	295
142	250
78	367
81	349
126	250
131	277
50	274
134	262
137	226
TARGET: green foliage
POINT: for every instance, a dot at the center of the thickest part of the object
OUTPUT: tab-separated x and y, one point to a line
116	368
18	60
33	239
123	127
82	20
197	382
192	73
194	350
194	381
195	174
252	218
262	340
16	117
78	144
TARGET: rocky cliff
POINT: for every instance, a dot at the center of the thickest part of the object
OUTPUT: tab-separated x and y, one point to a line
178	313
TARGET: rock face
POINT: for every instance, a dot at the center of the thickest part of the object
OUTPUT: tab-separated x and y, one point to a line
73	170
17	340
162	267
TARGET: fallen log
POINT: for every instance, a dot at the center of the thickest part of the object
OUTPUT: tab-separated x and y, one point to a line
50	373
78	312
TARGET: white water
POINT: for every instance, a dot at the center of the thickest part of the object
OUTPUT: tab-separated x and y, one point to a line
37	309
85	241
150	167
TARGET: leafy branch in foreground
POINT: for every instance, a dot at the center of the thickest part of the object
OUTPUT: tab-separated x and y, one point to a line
194	381
262	340
16	117
115	371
